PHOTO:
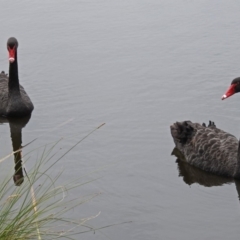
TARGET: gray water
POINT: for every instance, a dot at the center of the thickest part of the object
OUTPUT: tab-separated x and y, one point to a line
137	66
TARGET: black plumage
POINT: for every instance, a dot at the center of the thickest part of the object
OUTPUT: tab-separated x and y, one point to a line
208	148
14	101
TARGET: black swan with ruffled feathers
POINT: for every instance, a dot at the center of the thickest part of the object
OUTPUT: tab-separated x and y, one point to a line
208	147
14	101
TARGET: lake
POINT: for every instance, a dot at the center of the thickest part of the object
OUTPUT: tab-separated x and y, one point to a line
137	66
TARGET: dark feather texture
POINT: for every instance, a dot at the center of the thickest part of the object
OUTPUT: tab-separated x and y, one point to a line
208	148
17	105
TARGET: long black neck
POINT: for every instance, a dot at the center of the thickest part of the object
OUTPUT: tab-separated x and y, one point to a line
13	84
237	173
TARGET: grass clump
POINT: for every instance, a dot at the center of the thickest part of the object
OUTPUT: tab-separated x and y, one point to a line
37	208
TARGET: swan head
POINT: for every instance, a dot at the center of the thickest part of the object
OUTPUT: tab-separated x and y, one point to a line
234	88
12	45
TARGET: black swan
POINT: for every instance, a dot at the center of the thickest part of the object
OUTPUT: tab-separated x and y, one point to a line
207	147
14	101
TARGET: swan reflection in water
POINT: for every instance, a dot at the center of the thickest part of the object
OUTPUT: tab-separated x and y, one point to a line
16	126
192	174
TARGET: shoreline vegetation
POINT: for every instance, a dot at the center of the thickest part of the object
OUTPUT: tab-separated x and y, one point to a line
36	208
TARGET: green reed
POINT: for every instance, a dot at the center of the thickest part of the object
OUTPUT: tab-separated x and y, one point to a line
37	208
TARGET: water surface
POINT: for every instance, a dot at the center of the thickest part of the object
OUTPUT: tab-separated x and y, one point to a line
138	66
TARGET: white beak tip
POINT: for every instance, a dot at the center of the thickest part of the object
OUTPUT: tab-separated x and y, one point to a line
224	96
11	59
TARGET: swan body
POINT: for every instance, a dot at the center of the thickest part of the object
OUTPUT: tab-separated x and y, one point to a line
208	148
14	101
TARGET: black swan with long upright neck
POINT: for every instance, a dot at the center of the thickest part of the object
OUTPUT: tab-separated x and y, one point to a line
209	148
14	101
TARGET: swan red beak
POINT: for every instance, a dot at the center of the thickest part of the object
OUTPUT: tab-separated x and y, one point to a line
11	52
229	92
